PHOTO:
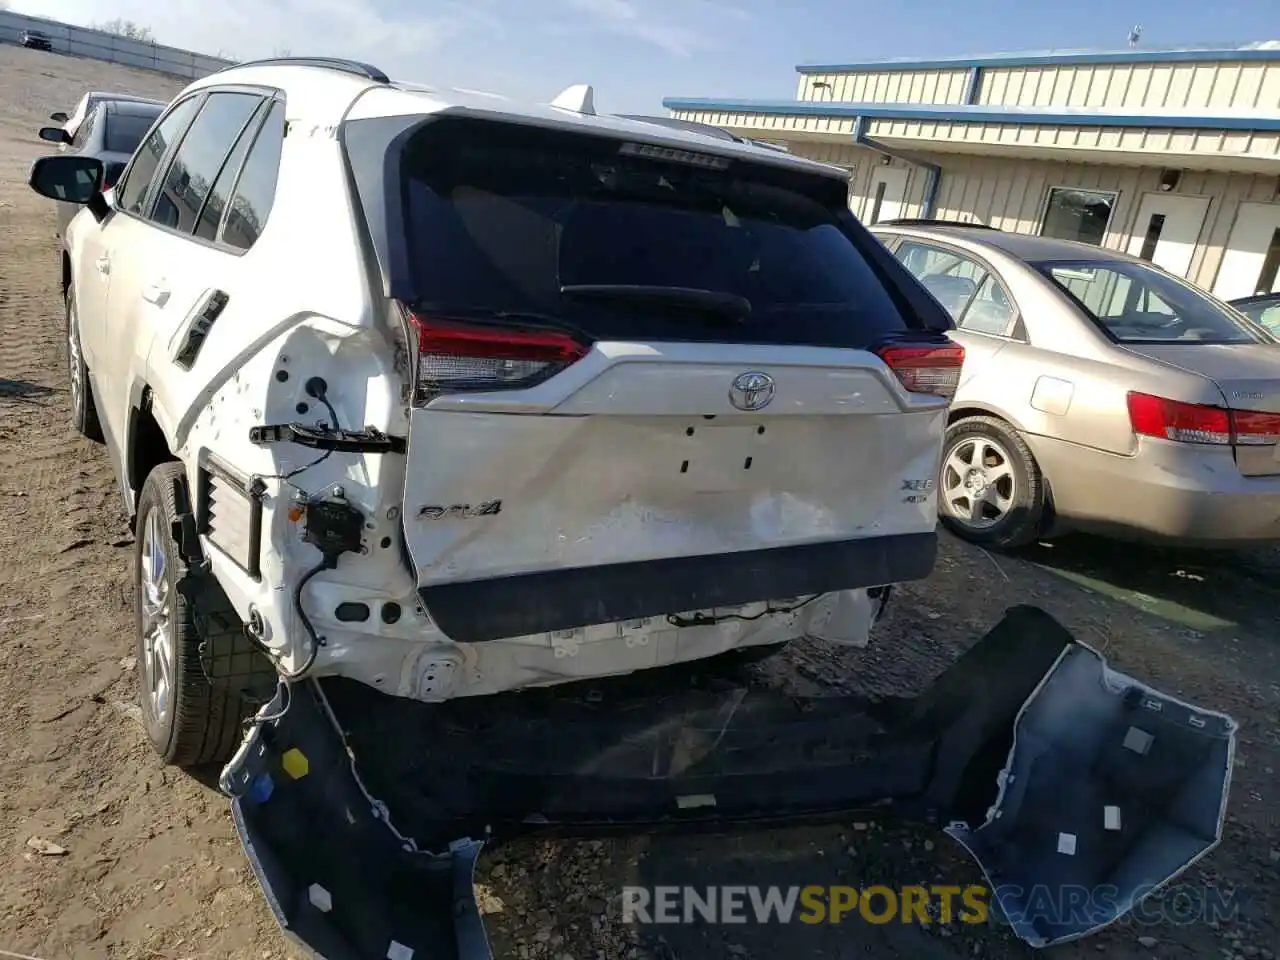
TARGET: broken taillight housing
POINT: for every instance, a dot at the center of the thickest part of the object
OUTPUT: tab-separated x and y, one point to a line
1153	416
455	356
925	368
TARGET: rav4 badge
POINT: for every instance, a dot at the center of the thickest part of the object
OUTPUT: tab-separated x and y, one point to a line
460	511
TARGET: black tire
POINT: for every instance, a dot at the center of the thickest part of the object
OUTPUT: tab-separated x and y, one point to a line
1021	523
84	412
202	723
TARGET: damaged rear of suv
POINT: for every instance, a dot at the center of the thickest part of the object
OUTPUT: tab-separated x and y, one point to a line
427	406
643	385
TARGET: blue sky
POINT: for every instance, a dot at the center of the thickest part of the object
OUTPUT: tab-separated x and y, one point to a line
635	52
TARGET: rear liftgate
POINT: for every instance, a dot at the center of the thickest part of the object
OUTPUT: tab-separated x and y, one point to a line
1055	772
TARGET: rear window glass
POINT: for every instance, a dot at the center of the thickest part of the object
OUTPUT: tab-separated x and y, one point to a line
124	131
1136	303
502	218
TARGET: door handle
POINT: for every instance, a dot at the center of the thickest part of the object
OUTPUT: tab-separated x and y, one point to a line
156	293
104	265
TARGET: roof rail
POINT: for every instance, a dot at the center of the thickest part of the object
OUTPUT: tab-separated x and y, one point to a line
354	67
926	222
765	144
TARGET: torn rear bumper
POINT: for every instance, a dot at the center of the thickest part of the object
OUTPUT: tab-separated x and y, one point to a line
351	804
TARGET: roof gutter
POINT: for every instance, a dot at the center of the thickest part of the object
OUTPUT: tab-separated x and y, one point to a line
933	172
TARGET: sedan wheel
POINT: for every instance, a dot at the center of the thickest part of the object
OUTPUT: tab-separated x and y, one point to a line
978	484
990	490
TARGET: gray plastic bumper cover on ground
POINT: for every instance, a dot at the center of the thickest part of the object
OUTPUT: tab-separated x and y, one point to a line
1069	783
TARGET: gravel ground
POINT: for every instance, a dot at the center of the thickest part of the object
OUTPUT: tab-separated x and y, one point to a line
105	854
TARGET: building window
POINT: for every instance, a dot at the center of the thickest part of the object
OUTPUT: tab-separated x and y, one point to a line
1077	215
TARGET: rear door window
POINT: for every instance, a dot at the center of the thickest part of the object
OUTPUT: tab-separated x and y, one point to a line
215	206
966	289
593	234
255	190
200	156
131	194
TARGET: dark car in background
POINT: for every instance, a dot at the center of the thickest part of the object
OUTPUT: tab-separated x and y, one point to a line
1262	309
111	131
37	40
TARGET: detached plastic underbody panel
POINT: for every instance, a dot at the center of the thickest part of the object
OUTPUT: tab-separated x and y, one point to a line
1049	767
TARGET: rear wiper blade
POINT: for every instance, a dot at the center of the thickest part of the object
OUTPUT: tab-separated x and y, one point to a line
727	305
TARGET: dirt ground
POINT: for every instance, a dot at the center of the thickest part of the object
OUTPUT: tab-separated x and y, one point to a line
144	862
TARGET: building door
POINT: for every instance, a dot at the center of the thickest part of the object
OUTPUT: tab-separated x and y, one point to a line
887	195
1166	230
1251	263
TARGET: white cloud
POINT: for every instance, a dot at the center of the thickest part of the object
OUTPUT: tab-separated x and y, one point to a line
624	18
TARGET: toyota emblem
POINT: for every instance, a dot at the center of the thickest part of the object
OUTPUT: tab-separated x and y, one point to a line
751	391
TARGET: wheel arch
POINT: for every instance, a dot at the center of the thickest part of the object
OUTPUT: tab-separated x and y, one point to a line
146	444
979	408
1050	521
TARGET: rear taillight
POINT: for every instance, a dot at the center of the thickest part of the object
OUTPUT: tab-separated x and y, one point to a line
459	357
1254	429
1173	420
930	369
1200	423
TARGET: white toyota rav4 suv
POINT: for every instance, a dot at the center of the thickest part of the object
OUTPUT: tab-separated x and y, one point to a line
454	396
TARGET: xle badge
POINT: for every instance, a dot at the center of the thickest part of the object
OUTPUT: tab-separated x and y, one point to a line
461	511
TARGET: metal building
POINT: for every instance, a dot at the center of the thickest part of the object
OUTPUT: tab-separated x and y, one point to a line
1173	155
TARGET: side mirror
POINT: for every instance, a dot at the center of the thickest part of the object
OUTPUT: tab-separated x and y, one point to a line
58	117
54	135
69	177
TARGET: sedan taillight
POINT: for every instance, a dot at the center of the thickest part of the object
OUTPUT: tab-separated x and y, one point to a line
1153	416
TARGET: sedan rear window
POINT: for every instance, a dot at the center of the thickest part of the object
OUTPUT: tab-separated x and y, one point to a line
125	131
1136	303
628	242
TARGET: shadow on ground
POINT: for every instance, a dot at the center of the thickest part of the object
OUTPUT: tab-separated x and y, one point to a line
23	390
1202	590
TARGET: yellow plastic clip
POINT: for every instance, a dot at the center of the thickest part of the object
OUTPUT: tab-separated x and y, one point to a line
295	763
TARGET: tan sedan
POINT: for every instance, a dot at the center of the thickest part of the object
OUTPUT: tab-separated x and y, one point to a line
1098	393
